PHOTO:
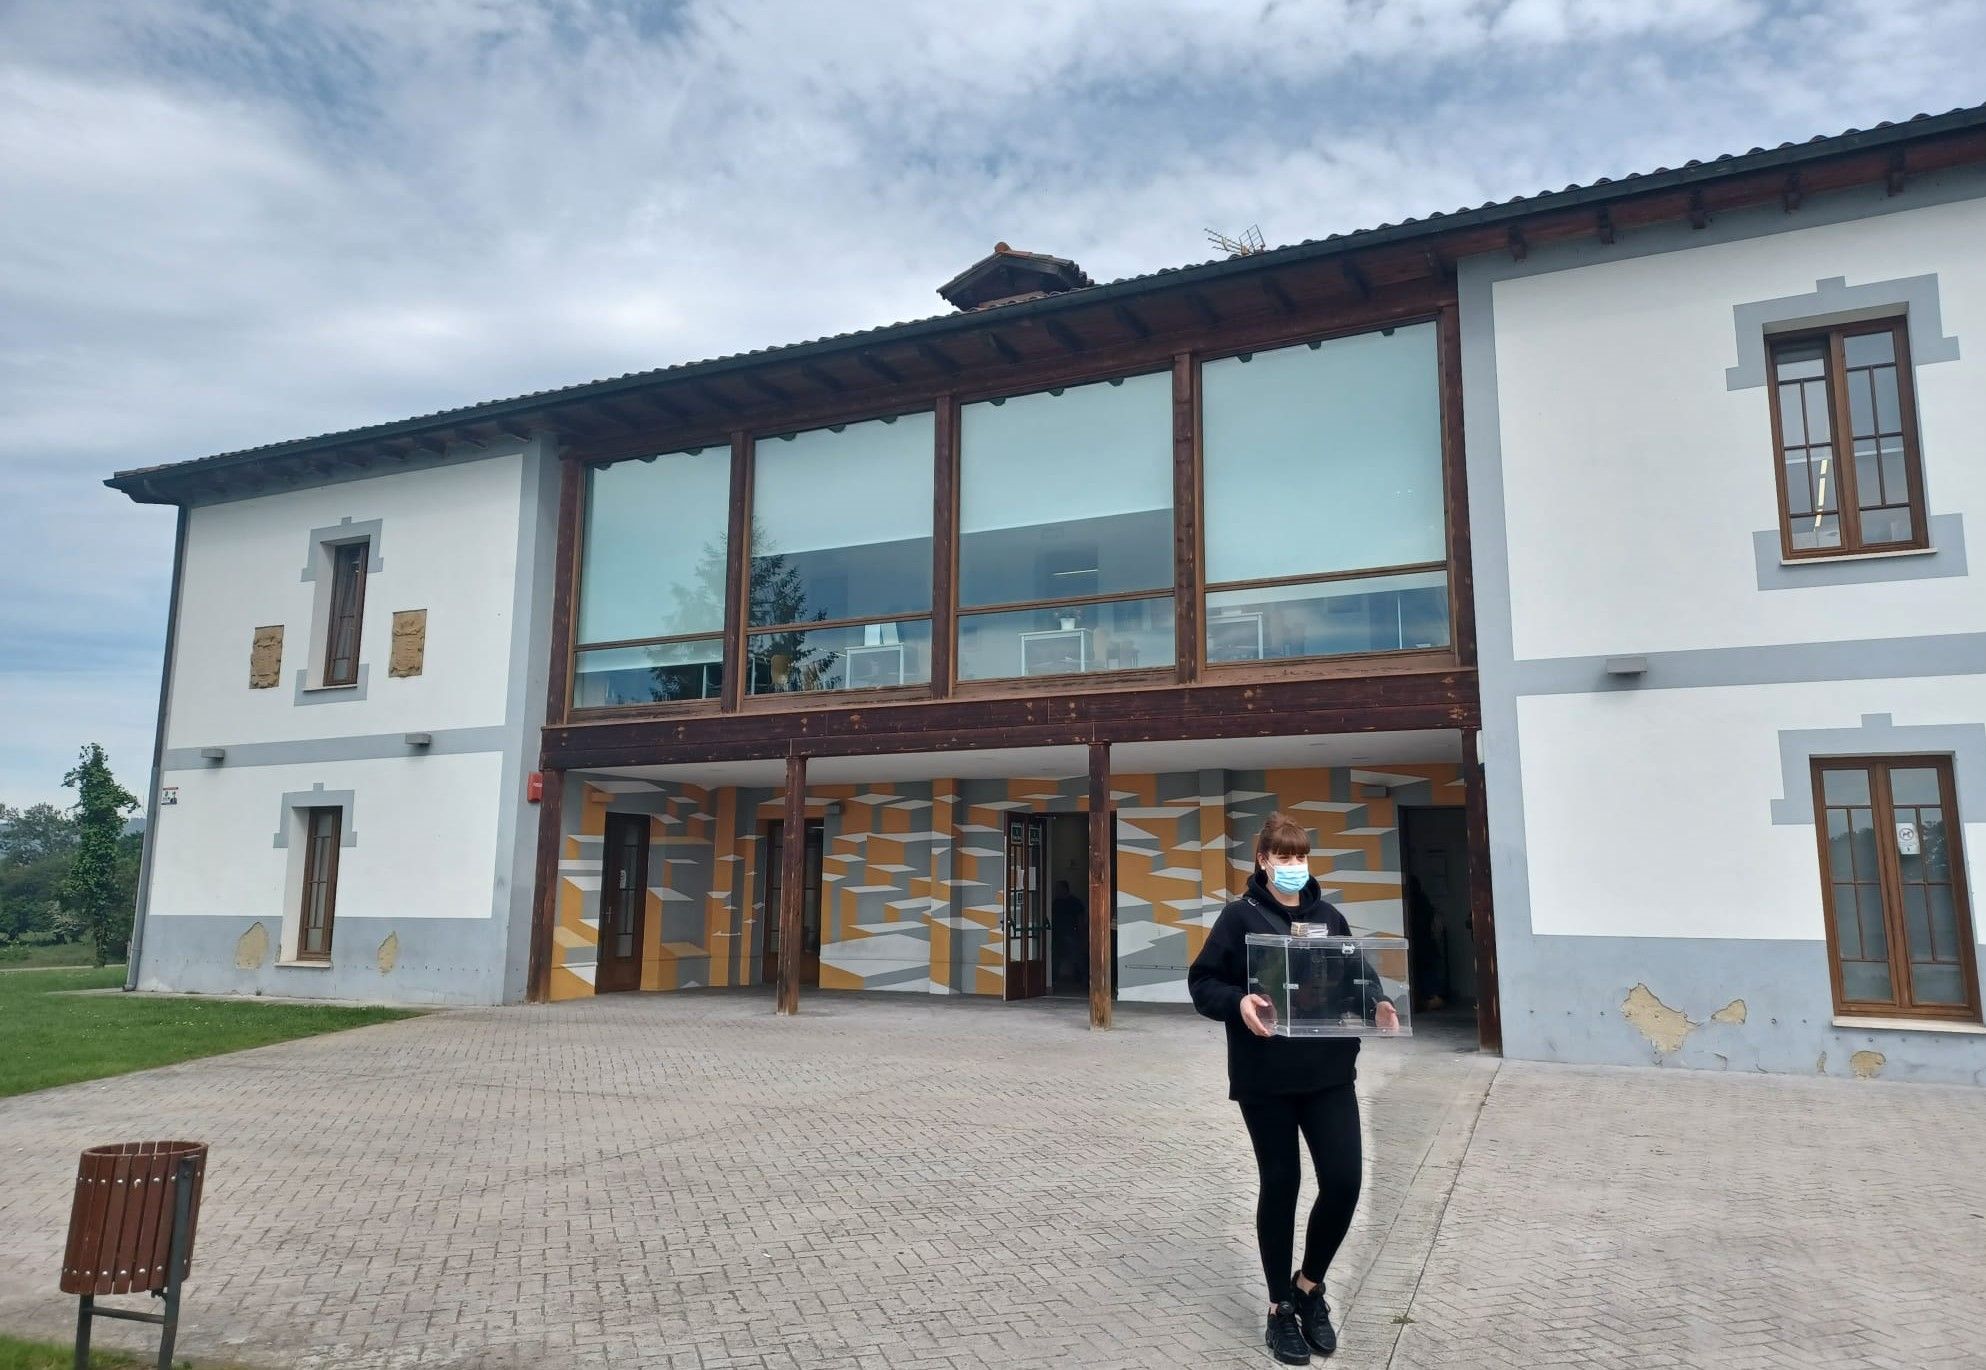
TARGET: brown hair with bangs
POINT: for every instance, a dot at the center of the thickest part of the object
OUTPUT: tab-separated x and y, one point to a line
1281	836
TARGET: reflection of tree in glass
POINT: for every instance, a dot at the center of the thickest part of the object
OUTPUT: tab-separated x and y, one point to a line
779	595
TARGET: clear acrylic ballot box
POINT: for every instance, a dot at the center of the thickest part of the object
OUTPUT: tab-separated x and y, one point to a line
1325	986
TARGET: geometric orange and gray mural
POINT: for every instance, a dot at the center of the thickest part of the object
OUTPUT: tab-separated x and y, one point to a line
913	873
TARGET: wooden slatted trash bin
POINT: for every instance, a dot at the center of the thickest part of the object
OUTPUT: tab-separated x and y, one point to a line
131	1232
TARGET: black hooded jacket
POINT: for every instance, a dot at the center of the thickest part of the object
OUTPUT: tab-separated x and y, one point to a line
1218	981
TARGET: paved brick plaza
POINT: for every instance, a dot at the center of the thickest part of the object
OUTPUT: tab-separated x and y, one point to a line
688	1181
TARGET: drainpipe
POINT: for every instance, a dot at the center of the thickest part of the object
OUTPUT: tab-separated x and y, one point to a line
136	949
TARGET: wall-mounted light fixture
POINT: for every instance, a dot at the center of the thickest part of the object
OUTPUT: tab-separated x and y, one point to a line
1627	665
418	739
213	753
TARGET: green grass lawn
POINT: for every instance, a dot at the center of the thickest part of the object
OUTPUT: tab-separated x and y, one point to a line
62	954
48	1038
38	1355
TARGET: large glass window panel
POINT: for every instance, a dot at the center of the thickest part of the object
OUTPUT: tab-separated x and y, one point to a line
1324	457
1073	639
841	522
653	562
1067	493
1329	618
650	673
857	656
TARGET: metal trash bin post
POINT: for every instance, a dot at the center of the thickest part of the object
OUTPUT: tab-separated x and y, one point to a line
131	1231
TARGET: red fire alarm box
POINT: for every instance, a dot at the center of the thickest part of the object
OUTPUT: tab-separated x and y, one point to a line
534	787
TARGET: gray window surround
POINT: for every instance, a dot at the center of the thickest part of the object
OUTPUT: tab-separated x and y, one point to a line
1833	301
318	553
317	797
1879	736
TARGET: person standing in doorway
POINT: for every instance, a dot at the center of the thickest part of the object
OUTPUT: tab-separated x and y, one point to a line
1070	937
1287	1087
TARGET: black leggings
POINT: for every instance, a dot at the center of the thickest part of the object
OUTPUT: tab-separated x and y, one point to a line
1328	1120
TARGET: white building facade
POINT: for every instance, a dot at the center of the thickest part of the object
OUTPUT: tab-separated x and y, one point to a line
1716	689
1661	889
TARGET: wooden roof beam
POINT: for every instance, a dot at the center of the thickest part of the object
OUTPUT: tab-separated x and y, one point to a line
1699	214
1354	277
882	368
822	379
714	397
765	387
1000	347
1135	325
674	412
1899	162
938	358
1519	249
1278	295
1204	308
1603	224
1065	335
1438	266
1791	193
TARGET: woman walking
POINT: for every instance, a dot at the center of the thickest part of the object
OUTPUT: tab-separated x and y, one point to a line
1287	1087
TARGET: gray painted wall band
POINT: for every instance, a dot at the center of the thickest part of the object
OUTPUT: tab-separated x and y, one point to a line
524	710
1878	735
319	750
1787	663
306	693
456	456
346	531
1835	301
1582	977
317	797
1946	558
135	955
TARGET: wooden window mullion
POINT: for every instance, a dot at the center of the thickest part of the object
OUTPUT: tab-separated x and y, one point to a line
1842	441
1889	876
737	576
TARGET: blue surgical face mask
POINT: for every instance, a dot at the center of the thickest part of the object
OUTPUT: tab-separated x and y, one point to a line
1289	879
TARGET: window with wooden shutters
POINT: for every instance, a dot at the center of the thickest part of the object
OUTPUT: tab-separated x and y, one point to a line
341	647
1844	424
1899	925
323	831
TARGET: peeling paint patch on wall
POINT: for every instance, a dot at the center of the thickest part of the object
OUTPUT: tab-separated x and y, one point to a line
265	658
1867	1064
410	642
1733	1012
253	948
1665	1028
389	953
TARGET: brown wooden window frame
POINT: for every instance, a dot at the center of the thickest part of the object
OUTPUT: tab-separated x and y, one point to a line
1890	882
312	877
1189	590
348	577
1835	378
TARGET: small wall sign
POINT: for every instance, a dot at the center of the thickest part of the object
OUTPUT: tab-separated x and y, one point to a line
1908	843
168	794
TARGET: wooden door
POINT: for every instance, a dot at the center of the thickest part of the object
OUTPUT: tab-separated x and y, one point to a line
623	903
1027	906
810	904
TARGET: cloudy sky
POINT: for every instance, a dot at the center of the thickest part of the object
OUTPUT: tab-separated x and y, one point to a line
225	222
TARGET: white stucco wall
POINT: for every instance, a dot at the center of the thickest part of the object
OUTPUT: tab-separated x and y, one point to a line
1650	814
448	541
1634	479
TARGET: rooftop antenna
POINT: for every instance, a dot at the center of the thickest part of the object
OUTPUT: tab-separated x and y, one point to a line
1246	245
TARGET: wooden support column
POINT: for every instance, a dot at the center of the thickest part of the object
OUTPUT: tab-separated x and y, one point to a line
1103	899
792	883
944	546
1186	575
737	575
1482	909
545	886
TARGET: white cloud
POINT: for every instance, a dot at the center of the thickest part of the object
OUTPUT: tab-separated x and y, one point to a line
222	225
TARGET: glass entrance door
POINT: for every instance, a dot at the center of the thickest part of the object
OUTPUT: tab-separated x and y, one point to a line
1027	906
810	903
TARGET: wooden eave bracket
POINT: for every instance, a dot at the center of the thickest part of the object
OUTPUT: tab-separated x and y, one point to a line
1699	216
1893	180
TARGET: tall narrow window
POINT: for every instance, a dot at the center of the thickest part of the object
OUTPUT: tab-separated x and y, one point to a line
341	644
322	831
841	557
1325	517
650	627
1065	531
1844	424
1899	928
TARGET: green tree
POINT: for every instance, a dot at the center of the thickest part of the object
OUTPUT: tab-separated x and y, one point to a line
91	890
30	898
778	595
35	833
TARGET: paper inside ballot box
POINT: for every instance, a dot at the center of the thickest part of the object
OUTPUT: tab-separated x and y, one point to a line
1323	986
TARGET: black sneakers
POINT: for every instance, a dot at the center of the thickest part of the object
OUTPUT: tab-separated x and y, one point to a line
1285	1337
1314	1316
